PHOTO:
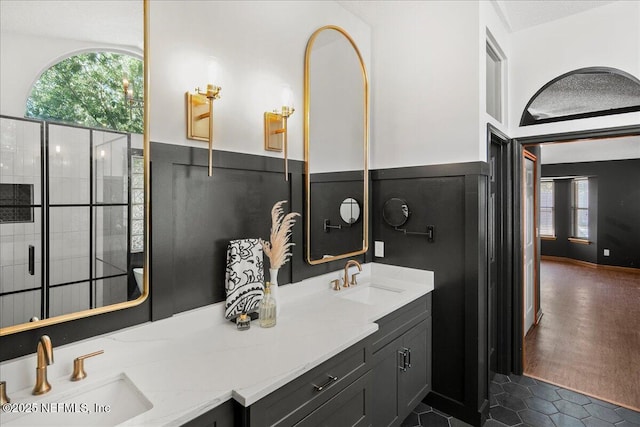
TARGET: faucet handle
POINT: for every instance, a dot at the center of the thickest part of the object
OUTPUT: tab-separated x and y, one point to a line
78	366
353	279
336	284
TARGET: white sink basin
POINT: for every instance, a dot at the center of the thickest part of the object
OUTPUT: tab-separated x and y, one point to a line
370	294
107	403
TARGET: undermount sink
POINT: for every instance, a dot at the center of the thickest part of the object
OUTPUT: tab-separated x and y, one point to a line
107	403
370	294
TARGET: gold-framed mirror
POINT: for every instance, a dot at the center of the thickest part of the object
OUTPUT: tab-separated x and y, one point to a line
336	146
74	195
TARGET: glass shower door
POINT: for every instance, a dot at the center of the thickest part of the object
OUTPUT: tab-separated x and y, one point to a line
64	219
69	211
110	217
88	213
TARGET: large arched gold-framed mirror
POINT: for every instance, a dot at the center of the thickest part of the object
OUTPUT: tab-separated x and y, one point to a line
336	146
77	224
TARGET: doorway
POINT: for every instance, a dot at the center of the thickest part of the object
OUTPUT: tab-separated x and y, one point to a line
530	240
591	325
500	253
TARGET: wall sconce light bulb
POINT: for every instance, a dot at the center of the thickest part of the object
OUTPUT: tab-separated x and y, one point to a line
57	148
101	153
287	96
213	70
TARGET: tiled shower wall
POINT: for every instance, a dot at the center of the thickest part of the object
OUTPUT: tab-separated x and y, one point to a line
20	164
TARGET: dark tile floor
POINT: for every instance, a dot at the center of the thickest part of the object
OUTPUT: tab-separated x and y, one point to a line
522	401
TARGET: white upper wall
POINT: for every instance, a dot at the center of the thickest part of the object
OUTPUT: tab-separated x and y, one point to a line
425	61
259	46
429	76
605	36
591	150
491	23
424	84
336	105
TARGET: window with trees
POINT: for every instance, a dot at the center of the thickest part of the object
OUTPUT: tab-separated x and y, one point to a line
580	208
88	90
547	211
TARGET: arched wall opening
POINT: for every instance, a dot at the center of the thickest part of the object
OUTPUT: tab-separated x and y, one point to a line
583	93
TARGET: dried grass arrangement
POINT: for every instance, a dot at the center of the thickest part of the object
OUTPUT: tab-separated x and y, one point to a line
278	248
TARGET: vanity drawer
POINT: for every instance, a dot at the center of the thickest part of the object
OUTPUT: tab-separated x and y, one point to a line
350	407
297	399
395	324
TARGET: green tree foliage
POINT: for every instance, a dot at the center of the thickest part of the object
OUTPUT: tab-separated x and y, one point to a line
87	90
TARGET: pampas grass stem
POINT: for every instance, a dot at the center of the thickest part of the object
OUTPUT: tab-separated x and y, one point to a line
277	249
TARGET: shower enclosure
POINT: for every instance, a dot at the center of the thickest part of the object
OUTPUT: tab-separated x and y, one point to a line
65	204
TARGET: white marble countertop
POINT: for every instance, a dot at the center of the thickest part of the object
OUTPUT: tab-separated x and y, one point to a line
194	361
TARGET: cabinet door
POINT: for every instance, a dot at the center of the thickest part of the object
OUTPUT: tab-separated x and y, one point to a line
415	382
222	416
350	407
387	364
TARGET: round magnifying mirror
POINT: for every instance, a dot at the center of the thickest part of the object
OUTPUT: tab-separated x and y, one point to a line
395	212
350	210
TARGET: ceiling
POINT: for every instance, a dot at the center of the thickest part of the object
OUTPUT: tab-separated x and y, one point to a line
521	14
593	92
119	21
517	14
114	22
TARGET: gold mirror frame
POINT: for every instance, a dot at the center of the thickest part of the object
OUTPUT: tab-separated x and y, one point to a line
147	191
307	171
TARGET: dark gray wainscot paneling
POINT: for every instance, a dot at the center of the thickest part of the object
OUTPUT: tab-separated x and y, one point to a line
328	190
453	199
614	209
194	216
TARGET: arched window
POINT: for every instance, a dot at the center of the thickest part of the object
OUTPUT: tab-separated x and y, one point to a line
587	92
89	90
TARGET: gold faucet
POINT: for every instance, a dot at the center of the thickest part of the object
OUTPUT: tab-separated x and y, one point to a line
45	357
345	280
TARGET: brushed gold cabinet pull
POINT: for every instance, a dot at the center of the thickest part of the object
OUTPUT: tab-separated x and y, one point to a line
330	381
78	366
3	393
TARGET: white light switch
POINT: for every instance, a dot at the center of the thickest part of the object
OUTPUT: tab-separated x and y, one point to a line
379	249
606	252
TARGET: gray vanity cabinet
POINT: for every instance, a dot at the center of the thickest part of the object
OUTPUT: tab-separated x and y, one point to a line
375	382
401	362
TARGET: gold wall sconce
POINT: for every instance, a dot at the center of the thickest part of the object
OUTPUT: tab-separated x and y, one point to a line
200	115
275	128
129	98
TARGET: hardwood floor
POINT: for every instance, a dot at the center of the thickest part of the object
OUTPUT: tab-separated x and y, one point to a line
589	336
